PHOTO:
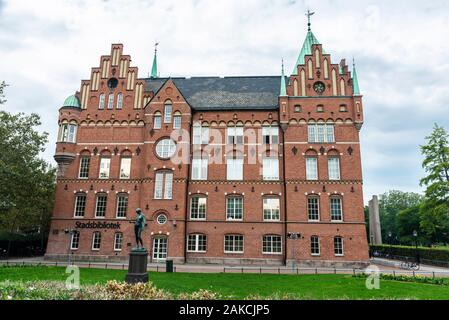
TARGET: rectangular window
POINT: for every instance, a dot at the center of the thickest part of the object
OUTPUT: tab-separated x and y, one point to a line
84	167
80	205
100	207
196	243
96	241
118	241
272	244
199	169
313	208
234	208
72	133
167	113
333	165
200	135
75	240
314	246
125	168
101	102
271	209
235	135
105	165
270	168
321	133
270	135
198	208
338	246
177	122
163	185
336	210
122	206
111	101
234	169
311	168
233	244
168	186
157	122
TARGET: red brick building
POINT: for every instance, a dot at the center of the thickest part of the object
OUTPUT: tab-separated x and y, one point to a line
226	170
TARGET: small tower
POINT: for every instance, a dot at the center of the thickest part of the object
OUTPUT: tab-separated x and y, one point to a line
355	80
283	91
154	67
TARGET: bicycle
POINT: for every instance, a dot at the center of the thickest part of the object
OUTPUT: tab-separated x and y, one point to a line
410	265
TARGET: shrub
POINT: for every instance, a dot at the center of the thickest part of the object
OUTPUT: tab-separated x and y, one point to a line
435	254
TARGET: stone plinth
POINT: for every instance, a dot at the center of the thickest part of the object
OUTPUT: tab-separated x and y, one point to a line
137	269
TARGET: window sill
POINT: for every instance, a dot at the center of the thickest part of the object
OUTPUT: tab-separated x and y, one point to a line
272	253
234	252
196	251
197	219
315	254
339	255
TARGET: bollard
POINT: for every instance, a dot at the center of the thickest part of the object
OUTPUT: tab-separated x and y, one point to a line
260	271
316	270
106	266
242	270
433	274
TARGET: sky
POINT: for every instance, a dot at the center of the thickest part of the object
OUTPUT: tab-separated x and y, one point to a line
400	48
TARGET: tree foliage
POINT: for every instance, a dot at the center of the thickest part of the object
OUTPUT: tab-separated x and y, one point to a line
27	182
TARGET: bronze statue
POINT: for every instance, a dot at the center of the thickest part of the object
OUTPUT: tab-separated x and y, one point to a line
139	225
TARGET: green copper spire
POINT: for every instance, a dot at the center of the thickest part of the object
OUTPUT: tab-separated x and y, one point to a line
154	68
283	92
307	46
355	80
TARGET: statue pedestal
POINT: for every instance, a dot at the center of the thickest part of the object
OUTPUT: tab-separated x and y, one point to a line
137	269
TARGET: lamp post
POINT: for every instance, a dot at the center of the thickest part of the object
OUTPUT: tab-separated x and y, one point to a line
415	235
293	236
389	241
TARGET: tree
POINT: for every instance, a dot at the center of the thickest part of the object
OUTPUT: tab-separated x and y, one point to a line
3	85
434	214
436	164
27	182
390	205
408	220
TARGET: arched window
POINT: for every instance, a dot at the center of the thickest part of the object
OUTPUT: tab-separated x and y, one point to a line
84	166
119	101
101	102
168	107
342	87
67	132
157	120
111	101
122	205
163	185
177	120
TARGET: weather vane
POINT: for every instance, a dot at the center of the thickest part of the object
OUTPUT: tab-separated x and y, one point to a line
155	46
309	14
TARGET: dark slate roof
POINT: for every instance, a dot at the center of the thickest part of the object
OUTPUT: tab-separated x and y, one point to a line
228	93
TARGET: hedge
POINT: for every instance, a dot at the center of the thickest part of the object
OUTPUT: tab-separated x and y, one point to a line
435	254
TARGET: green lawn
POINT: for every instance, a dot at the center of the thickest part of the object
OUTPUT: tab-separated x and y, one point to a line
239	286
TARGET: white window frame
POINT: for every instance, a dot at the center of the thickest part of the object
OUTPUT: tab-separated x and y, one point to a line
234	169
234	239
199	168
111	101
85	166
342	247
321	132
72	238
163	185
235	135
125	164
177	121
270	135
271	214
97	198
318	208
120	205
340	200
105	168
271	242
118	241
68	132
157	120
196	239
333	172
165	148
94	241
200	134
311	170
119	101
101	101
311	246
200	215
168	110
77	196
270	168
232	216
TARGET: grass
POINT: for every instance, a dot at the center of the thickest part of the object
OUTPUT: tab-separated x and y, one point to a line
240	286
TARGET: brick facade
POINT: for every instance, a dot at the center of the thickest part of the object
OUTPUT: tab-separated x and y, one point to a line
129	133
